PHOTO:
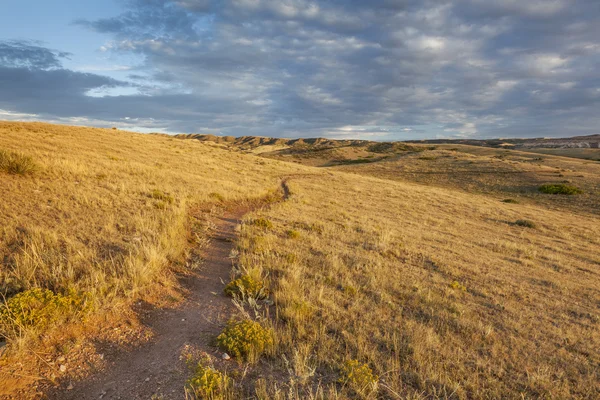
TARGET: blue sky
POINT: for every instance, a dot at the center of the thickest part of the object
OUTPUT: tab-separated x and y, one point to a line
382	69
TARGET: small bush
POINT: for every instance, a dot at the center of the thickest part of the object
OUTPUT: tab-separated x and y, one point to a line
358	376
356	161
350	290
161	196
525	223
263	223
160	205
16	163
292	234
38	308
459	286
245	340
207	382
510	201
246	287
559	188
217	196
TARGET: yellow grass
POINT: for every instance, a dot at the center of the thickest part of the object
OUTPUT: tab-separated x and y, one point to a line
106	211
406	278
434	289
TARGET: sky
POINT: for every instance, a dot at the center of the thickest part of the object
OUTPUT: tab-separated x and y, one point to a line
376	69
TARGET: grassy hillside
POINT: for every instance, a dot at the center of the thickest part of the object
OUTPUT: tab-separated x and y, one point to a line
501	173
103	217
440	292
395	272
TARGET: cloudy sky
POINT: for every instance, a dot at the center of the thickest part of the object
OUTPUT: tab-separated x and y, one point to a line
376	69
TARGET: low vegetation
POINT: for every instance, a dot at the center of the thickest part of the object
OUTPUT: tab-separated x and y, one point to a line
108	217
451	310
399	279
559	188
17	163
35	309
525	223
246	340
247	287
359	377
207	382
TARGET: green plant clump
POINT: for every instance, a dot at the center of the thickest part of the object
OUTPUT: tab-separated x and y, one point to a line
459	286
39	308
207	382
263	223
292	234
559	188
245	340
358	376
162	196
246	287
217	196
525	223
16	163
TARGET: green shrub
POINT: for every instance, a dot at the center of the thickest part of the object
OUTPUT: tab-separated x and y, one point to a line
207	382
559	188
356	161
217	196
292	234
459	286
263	223
161	196
358	376
246	287
525	223
16	163
510	201
350	290
245	340
38	308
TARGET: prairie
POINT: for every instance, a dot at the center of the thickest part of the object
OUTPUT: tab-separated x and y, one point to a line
403	276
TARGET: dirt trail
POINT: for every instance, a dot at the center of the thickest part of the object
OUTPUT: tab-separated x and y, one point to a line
155	368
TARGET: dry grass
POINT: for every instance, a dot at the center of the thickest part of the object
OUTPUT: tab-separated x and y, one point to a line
436	290
420	285
500	173
107	212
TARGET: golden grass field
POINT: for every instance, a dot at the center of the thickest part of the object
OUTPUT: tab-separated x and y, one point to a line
411	266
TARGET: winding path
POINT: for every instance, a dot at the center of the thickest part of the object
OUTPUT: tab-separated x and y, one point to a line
155	368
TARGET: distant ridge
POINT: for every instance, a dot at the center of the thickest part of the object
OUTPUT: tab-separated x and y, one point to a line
251	142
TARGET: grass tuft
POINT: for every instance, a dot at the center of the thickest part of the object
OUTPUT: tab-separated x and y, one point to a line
246	287
293	234
359	377
263	223
246	340
36	309
17	163
458	286
525	223
207	382
162	196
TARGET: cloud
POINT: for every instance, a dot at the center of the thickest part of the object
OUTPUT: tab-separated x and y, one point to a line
379	69
28	54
